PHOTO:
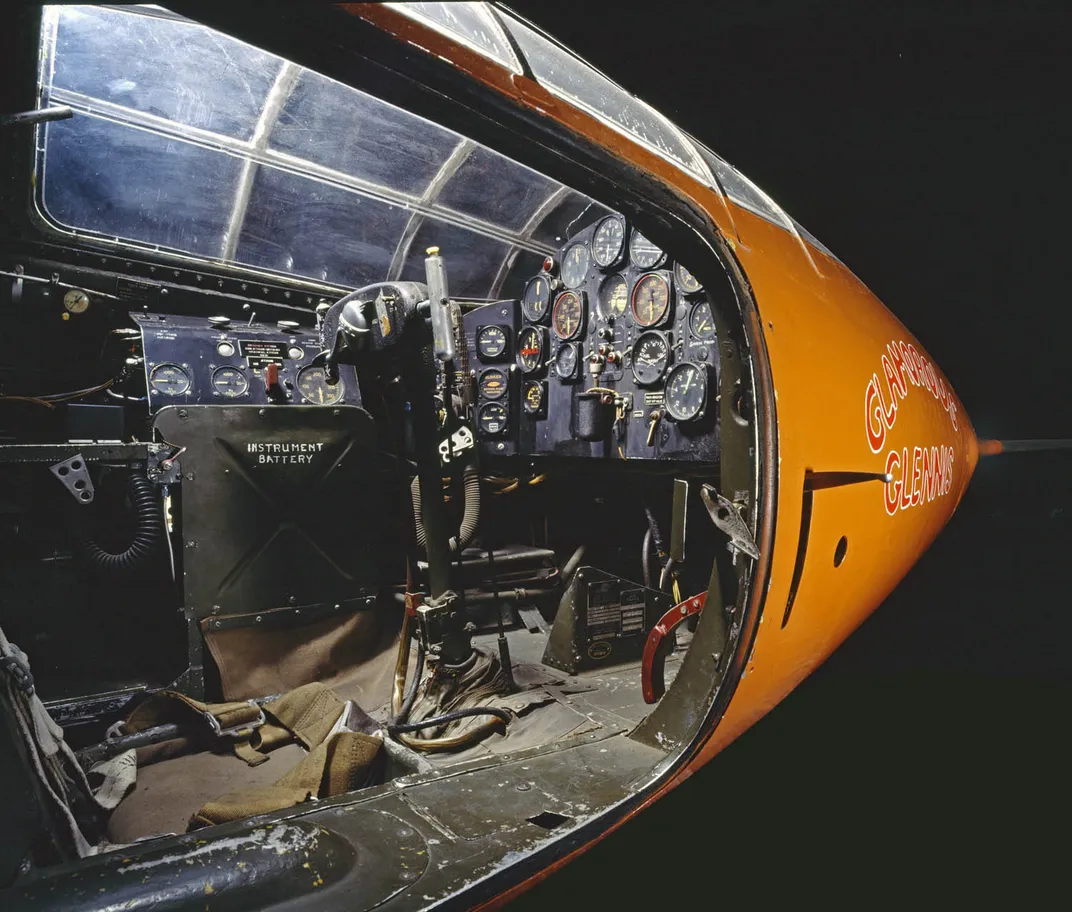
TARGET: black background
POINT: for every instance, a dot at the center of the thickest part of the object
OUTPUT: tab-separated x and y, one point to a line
930	148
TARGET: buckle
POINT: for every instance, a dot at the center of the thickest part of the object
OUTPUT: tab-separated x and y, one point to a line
235	731
20	673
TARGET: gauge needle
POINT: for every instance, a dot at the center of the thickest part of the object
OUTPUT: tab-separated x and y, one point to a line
688	383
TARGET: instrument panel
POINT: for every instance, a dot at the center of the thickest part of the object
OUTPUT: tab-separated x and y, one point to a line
613	355
191	360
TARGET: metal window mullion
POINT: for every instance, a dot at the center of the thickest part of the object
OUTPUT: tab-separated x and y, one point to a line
527	231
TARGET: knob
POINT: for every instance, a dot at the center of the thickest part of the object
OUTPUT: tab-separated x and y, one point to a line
287	325
605	332
220	321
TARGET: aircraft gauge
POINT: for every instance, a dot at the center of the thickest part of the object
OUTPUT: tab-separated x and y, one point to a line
531	342
613	298
493	384
492	418
566	361
575	265
608	241
169	380
686	391
229	382
567	319
314	387
534	397
536	300
701	322
651	299
491	342
686	281
643	253
651	357
76	301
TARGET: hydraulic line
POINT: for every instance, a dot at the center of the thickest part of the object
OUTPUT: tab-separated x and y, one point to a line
470	515
501	714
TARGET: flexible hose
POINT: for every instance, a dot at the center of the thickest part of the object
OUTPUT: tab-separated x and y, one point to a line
147	536
470	515
414	685
500	714
645	557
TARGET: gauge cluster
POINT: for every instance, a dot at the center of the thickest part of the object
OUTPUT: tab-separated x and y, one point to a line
614	315
191	360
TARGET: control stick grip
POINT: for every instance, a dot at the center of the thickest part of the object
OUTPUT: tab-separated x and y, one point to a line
442	328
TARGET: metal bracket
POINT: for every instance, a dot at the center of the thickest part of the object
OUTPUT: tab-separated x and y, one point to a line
74	476
724	515
460	441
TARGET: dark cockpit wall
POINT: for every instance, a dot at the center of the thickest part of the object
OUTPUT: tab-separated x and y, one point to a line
276	183
188	142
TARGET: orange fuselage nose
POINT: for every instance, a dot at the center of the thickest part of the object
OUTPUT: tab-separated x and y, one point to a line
855	392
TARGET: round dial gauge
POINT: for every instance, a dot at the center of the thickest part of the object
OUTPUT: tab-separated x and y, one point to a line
608	241
651	299
701	322
491	342
686	281
651	355
76	301
230	382
613	298
533	399
314	387
566	361
169	380
492	418
567	318
536	299
493	384
686	391
575	265
643	253
530	349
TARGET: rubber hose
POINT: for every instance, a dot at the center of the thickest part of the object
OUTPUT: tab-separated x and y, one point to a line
147	537
500	714
656	532
470	515
645	557
411	696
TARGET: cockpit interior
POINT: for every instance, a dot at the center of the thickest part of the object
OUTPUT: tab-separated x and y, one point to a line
303	394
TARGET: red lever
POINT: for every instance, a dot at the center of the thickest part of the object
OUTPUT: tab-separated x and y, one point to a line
652	683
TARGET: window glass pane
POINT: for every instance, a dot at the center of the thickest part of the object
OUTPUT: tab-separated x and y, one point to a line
326	122
473	260
495	189
107	178
575	213
467	23
307	227
741	190
568	75
526	264
177	70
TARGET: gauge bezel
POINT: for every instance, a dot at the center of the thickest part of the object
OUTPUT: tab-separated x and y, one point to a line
76	301
182	370
617	258
581	298
632	357
692	325
546	315
603	315
237	370
495	403
681	285
541	336
702	372
340	386
505	387
577	356
565	258
504	355
659	260
668	312
528	410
